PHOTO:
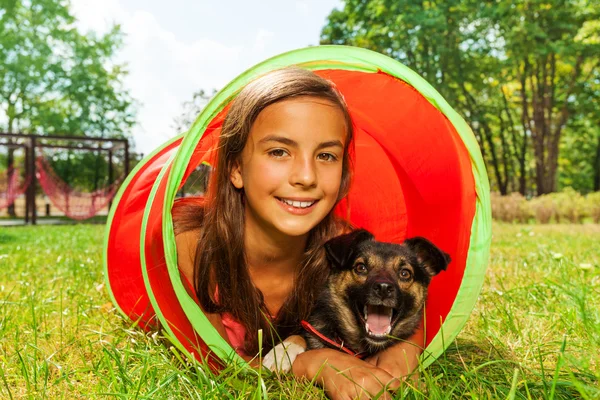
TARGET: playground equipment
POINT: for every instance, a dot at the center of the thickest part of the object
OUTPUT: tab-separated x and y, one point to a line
38	169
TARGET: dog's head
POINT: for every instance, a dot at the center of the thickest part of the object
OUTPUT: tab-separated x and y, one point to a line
380	288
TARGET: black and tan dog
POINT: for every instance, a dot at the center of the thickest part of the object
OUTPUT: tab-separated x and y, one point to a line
374	296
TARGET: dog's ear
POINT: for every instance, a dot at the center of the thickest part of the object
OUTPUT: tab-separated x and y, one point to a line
428	254
340	249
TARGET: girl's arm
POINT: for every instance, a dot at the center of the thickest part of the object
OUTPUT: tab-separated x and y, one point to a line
343	376
186	249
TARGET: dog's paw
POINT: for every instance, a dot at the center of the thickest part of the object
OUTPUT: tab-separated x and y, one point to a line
282	356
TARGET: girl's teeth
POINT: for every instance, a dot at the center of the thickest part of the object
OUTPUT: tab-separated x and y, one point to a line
298	204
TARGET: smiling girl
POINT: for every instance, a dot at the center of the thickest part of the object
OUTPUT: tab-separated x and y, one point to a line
254	249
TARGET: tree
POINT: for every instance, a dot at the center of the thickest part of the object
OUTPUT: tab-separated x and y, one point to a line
579	161
92	101
28	66
440	41
512	68
552	56
423	35
56	80
191	110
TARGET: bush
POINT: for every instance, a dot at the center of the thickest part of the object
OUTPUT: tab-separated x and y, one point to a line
593	206
566	206
570	206
544	208
511	208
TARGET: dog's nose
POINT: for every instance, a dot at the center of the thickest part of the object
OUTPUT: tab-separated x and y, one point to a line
383	290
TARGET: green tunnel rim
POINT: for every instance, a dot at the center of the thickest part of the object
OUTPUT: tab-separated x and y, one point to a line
356	59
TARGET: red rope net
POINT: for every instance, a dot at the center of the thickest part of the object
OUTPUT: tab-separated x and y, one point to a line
74	204
10	188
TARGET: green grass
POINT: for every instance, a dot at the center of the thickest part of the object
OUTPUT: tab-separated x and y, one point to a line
535	332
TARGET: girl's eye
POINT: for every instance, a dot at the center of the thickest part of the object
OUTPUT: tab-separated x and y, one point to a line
327	157
361	269
405	274
277	153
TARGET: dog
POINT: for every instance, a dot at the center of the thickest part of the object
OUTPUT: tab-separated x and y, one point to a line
373	297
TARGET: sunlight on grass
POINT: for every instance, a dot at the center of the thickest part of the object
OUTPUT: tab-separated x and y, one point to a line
535	331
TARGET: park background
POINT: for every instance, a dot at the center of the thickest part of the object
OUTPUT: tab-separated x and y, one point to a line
525	75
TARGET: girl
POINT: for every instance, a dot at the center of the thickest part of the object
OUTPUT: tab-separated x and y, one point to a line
254	249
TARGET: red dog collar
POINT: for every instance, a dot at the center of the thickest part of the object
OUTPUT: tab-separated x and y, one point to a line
336	344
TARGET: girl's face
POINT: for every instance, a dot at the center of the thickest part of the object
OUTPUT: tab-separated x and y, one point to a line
291	166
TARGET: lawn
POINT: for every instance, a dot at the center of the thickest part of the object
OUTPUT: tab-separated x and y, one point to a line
534	333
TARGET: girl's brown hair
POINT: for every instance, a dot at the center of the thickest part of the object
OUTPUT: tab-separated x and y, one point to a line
220	257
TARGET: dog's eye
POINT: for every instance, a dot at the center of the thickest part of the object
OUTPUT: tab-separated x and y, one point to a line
361	269
405	274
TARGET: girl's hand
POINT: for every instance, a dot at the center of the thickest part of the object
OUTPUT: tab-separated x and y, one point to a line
343	376
282	356
399	361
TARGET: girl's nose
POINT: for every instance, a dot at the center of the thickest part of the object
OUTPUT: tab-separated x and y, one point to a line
303	172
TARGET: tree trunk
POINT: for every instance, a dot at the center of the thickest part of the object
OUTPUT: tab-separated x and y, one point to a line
540	163
522	166
551	137
534	123
507	157
597	167
540	139
526	124
485	132
519	148
501	180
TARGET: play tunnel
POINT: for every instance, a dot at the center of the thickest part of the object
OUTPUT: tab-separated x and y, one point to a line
418	171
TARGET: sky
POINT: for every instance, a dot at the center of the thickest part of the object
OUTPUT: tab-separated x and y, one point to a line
172	49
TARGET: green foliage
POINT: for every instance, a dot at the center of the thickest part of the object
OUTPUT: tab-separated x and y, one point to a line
579	147
580	158
55	79
521	73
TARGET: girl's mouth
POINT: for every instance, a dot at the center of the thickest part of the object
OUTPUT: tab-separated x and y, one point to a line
297	206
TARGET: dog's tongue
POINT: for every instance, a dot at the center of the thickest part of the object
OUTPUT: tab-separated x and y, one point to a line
378	319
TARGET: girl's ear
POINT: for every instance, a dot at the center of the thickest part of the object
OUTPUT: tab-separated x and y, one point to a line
236	176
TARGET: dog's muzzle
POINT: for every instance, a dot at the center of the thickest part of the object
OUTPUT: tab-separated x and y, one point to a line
383	290
378	312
